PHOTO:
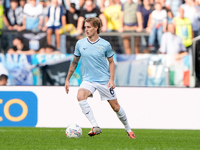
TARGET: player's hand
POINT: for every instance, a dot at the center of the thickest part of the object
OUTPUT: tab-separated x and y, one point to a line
67	86
111	84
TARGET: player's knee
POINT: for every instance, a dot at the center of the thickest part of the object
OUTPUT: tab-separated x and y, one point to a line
116	108
80	97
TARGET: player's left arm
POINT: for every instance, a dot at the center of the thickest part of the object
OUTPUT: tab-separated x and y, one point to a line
71	70
111	82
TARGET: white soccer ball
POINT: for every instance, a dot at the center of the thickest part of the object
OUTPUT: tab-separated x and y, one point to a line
73	131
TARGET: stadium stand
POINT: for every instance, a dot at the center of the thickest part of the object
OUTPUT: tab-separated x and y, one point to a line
16	19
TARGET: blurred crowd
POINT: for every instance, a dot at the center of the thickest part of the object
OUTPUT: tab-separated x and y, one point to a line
171	24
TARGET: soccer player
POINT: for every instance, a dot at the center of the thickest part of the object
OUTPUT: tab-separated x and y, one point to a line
98	73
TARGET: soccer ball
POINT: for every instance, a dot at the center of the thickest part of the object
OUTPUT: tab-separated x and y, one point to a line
73	131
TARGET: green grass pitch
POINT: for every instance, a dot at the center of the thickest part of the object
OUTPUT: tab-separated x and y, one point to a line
109	139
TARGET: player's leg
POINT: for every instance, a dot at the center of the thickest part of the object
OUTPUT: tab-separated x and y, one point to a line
122	116
120	113
82	96
86	90
110	95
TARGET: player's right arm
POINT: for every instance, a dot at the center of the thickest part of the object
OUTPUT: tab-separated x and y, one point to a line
72	68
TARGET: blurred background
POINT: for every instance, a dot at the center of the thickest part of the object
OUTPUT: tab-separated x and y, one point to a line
156	42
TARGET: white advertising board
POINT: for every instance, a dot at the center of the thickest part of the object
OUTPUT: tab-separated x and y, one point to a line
146	108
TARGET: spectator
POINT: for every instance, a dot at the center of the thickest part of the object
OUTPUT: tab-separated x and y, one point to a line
45	7
64	3
162	2
173	5
55	19
190	10
3	80
19	47
172	44
22	3
128	22
79	3
152	2
72	18
13	17
168	10
197	2
117	2
33	16
47	3
143	12
1	16
6	4
90	11
72	14
61	2
102	4
169	16
112	14
183	28
158	23
48	49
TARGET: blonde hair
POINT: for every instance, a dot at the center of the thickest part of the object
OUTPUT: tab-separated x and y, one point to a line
96	22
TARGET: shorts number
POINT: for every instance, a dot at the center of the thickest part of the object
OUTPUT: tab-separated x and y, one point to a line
111	91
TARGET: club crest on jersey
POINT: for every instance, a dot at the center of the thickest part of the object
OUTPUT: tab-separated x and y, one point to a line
99	48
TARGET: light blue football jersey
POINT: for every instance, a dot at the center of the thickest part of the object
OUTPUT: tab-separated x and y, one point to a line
95	66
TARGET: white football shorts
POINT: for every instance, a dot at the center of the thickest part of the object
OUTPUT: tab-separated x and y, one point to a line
105	92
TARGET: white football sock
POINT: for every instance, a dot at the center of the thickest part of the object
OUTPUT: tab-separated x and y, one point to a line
86	109
122	116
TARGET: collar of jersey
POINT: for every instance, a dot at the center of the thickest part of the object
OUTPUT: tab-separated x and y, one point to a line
93	42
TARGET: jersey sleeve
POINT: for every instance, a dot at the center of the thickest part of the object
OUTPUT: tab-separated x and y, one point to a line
109	51
77	51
